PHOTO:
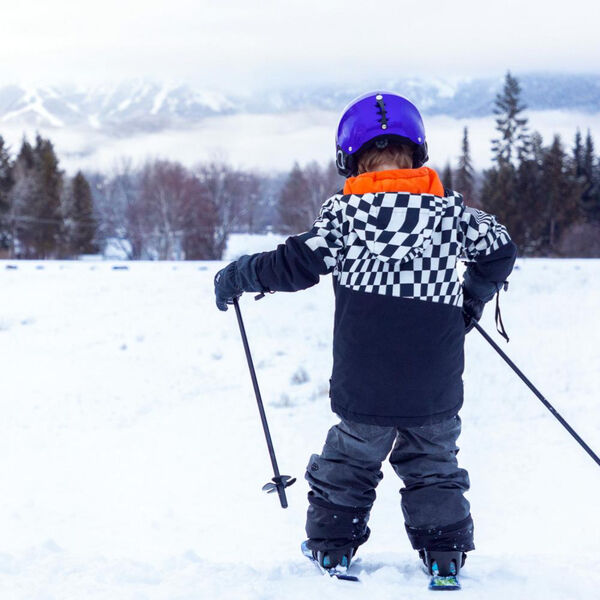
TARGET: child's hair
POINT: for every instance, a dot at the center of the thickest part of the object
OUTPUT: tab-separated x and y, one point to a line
399	155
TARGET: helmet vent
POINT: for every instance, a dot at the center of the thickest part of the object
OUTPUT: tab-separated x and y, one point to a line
382	111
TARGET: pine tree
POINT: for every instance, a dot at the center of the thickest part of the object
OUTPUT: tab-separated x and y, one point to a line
590	196
80	223
513	142
527	228
447	179
23	196
578	152
560	194
498	196
37	200
500	191
464	176
588	156
7	182
46	209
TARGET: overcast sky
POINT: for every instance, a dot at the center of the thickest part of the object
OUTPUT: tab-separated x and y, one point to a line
240	45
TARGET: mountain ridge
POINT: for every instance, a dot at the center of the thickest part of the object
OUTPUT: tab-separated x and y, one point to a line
144	106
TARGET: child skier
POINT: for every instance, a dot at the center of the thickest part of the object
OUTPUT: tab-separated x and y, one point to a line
392	239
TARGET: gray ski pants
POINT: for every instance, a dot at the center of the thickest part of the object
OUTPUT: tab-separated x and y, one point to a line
344	476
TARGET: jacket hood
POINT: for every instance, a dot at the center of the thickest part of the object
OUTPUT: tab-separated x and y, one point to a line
395	213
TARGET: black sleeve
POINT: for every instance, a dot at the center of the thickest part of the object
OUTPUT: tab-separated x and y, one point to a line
486	276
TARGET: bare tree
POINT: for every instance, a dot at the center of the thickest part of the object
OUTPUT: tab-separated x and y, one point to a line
120	215
162	194
227	192
304	192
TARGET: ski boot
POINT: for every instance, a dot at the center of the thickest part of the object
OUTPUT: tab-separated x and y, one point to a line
438	562
330	559
444	567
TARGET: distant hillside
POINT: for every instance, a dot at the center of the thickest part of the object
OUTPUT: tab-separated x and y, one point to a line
141	106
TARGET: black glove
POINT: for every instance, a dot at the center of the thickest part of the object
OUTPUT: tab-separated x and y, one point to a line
476	292
236	278
472	309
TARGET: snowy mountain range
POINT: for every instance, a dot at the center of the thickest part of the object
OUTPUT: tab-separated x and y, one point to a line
142	106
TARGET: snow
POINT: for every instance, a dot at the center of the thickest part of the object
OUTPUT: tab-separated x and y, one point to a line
124	104
33	104
132	456
159	99
94	121
244	243
216	101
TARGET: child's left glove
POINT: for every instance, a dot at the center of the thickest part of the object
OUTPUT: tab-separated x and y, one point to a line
236	278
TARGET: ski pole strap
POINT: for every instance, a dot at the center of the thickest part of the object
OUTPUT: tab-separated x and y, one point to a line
262	294
499	324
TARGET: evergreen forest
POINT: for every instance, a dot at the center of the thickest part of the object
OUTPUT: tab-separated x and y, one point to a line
546	192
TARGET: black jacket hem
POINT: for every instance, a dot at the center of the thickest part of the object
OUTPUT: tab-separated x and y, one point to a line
394	420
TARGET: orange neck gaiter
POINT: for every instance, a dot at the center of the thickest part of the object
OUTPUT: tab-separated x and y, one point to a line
413	181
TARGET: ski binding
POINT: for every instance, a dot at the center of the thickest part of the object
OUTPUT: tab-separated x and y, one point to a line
337	572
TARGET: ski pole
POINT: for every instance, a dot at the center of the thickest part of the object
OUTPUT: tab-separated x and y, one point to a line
536	392
279	482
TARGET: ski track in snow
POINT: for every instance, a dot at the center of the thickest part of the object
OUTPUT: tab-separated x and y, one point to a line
132	456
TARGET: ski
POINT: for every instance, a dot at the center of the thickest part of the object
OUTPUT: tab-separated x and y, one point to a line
338	573
446	583
448	563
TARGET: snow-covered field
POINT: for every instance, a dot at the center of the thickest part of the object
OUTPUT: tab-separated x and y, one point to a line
132	457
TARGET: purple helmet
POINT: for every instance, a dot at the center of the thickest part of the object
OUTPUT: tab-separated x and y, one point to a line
378	118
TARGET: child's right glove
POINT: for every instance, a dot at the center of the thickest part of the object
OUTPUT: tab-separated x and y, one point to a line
476	292
472	309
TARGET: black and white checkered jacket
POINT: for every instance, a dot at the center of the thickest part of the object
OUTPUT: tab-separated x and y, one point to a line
399	331
402	245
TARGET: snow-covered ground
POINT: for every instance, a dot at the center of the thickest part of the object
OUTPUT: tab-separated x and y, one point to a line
132	457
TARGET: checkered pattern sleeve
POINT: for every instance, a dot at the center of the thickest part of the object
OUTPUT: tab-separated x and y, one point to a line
302	259
489	251
325	236
482	234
